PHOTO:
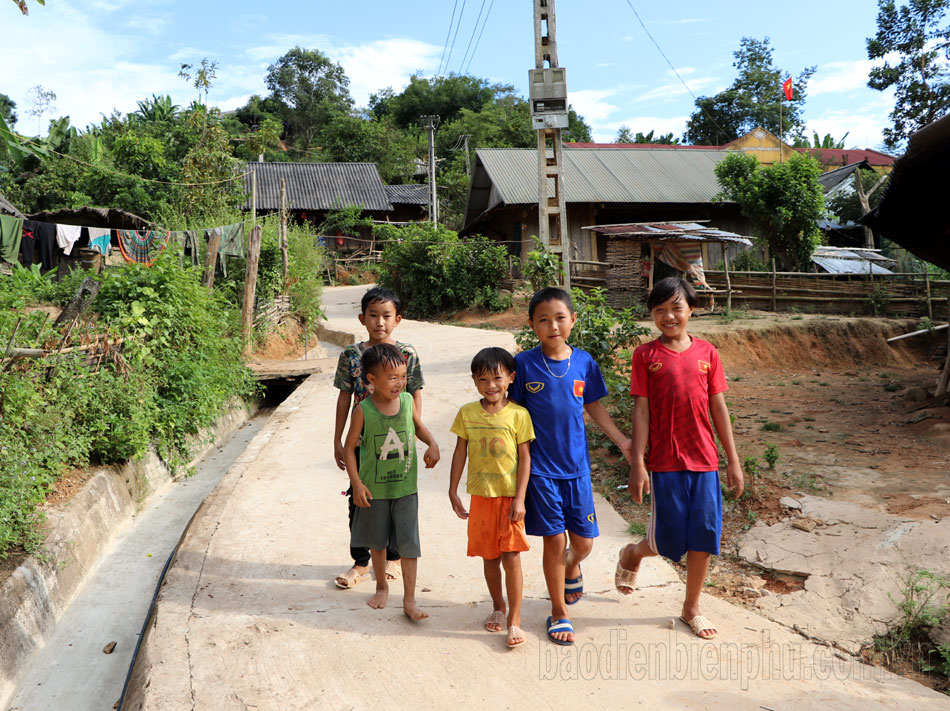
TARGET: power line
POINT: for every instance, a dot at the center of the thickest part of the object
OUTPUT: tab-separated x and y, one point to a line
447	35
490	5
663	54
472	38
452	48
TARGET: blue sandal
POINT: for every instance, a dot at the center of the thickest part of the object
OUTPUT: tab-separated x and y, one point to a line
559	626
573	585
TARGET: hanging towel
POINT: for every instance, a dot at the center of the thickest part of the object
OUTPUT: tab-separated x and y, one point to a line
66	236
142	246
11	232
100	239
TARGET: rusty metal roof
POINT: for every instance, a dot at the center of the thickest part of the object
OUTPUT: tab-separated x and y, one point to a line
319	186
669	231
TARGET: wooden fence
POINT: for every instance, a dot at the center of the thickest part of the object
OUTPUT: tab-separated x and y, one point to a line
908	295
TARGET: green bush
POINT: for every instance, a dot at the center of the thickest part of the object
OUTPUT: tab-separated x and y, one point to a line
434	271
179	365
543	268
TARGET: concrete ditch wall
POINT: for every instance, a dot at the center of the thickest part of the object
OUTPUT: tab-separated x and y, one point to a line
38	592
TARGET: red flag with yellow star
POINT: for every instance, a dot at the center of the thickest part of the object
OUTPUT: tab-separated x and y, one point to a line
787	88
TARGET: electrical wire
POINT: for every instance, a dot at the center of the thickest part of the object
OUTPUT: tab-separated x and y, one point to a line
663	54
452	48
472	38
490	6
447	35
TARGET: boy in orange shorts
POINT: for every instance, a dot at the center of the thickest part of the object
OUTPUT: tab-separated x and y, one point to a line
495	435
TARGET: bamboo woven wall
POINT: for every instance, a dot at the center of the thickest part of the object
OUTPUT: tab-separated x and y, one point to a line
625	284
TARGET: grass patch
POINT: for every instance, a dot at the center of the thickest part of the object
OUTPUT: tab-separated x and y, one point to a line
772	427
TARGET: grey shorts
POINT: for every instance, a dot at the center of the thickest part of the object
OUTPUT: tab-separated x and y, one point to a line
386	520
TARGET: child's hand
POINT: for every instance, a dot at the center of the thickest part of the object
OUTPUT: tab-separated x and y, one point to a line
432	456
361	495
639	482
516	513
457	506
626	448
338	455
735	479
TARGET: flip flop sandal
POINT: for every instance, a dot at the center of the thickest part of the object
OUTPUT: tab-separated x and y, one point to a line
393	570
624	578
515	632
701	624
573	585
555	626
350	579
497	617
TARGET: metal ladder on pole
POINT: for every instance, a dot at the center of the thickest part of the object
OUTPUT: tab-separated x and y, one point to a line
552	210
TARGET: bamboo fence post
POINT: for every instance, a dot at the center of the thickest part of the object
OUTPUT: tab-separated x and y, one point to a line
254	196
250	285
725	264
285	259
211	258
930	309
774	300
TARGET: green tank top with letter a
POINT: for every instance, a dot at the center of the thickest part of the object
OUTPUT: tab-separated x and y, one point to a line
388	450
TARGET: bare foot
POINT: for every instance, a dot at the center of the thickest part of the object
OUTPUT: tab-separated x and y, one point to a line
515	636
379	600
413	612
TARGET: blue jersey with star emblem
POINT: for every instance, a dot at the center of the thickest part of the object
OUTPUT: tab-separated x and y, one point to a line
556	405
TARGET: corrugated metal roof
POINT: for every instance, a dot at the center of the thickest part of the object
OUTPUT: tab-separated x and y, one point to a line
319	186
853	260
408	194
607	175
670	231
833	178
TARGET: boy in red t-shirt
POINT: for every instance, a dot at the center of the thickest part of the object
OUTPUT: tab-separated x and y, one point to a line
678	381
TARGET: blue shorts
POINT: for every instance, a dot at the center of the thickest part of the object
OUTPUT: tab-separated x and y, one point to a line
553	506
686	513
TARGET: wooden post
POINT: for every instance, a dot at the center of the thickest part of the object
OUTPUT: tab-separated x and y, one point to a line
944	383
250	285
930	308
774	301
283	229
211	258
725	264
254	196
652	266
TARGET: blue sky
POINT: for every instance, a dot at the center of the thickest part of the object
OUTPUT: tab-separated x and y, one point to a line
99	55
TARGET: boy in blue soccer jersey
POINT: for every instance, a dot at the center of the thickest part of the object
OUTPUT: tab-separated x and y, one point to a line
557	383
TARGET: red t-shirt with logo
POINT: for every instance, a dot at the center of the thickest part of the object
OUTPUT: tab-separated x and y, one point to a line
679	386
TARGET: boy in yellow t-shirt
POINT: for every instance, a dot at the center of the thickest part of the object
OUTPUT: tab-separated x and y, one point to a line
495	435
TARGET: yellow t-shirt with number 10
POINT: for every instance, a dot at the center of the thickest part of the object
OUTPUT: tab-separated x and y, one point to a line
493	441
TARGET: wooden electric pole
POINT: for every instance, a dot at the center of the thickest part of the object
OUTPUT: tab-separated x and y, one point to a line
549	112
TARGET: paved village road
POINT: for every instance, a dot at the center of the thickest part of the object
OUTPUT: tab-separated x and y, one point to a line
249	617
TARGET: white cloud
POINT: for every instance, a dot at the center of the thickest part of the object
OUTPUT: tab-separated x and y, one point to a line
676	89
149	25
836	77
864	124
591	104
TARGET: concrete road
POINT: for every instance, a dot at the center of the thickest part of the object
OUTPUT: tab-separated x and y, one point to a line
249	617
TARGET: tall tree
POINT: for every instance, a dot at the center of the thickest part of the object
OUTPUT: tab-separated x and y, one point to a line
919	36
624	135
444	97
755	98
41	101
784	202
7	109
310	89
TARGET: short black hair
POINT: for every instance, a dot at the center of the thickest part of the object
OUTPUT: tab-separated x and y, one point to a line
666	289
379	295
550	293
491	360
380	356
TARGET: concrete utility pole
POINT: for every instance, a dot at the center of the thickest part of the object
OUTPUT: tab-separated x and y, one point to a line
430	122
549	113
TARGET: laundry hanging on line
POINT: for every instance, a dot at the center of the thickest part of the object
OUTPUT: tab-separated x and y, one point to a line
142	246
100	239
40	235
66	237
11	232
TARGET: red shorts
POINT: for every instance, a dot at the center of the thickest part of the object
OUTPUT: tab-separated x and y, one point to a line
490	531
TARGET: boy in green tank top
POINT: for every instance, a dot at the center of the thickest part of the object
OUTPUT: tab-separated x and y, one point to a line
384	480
